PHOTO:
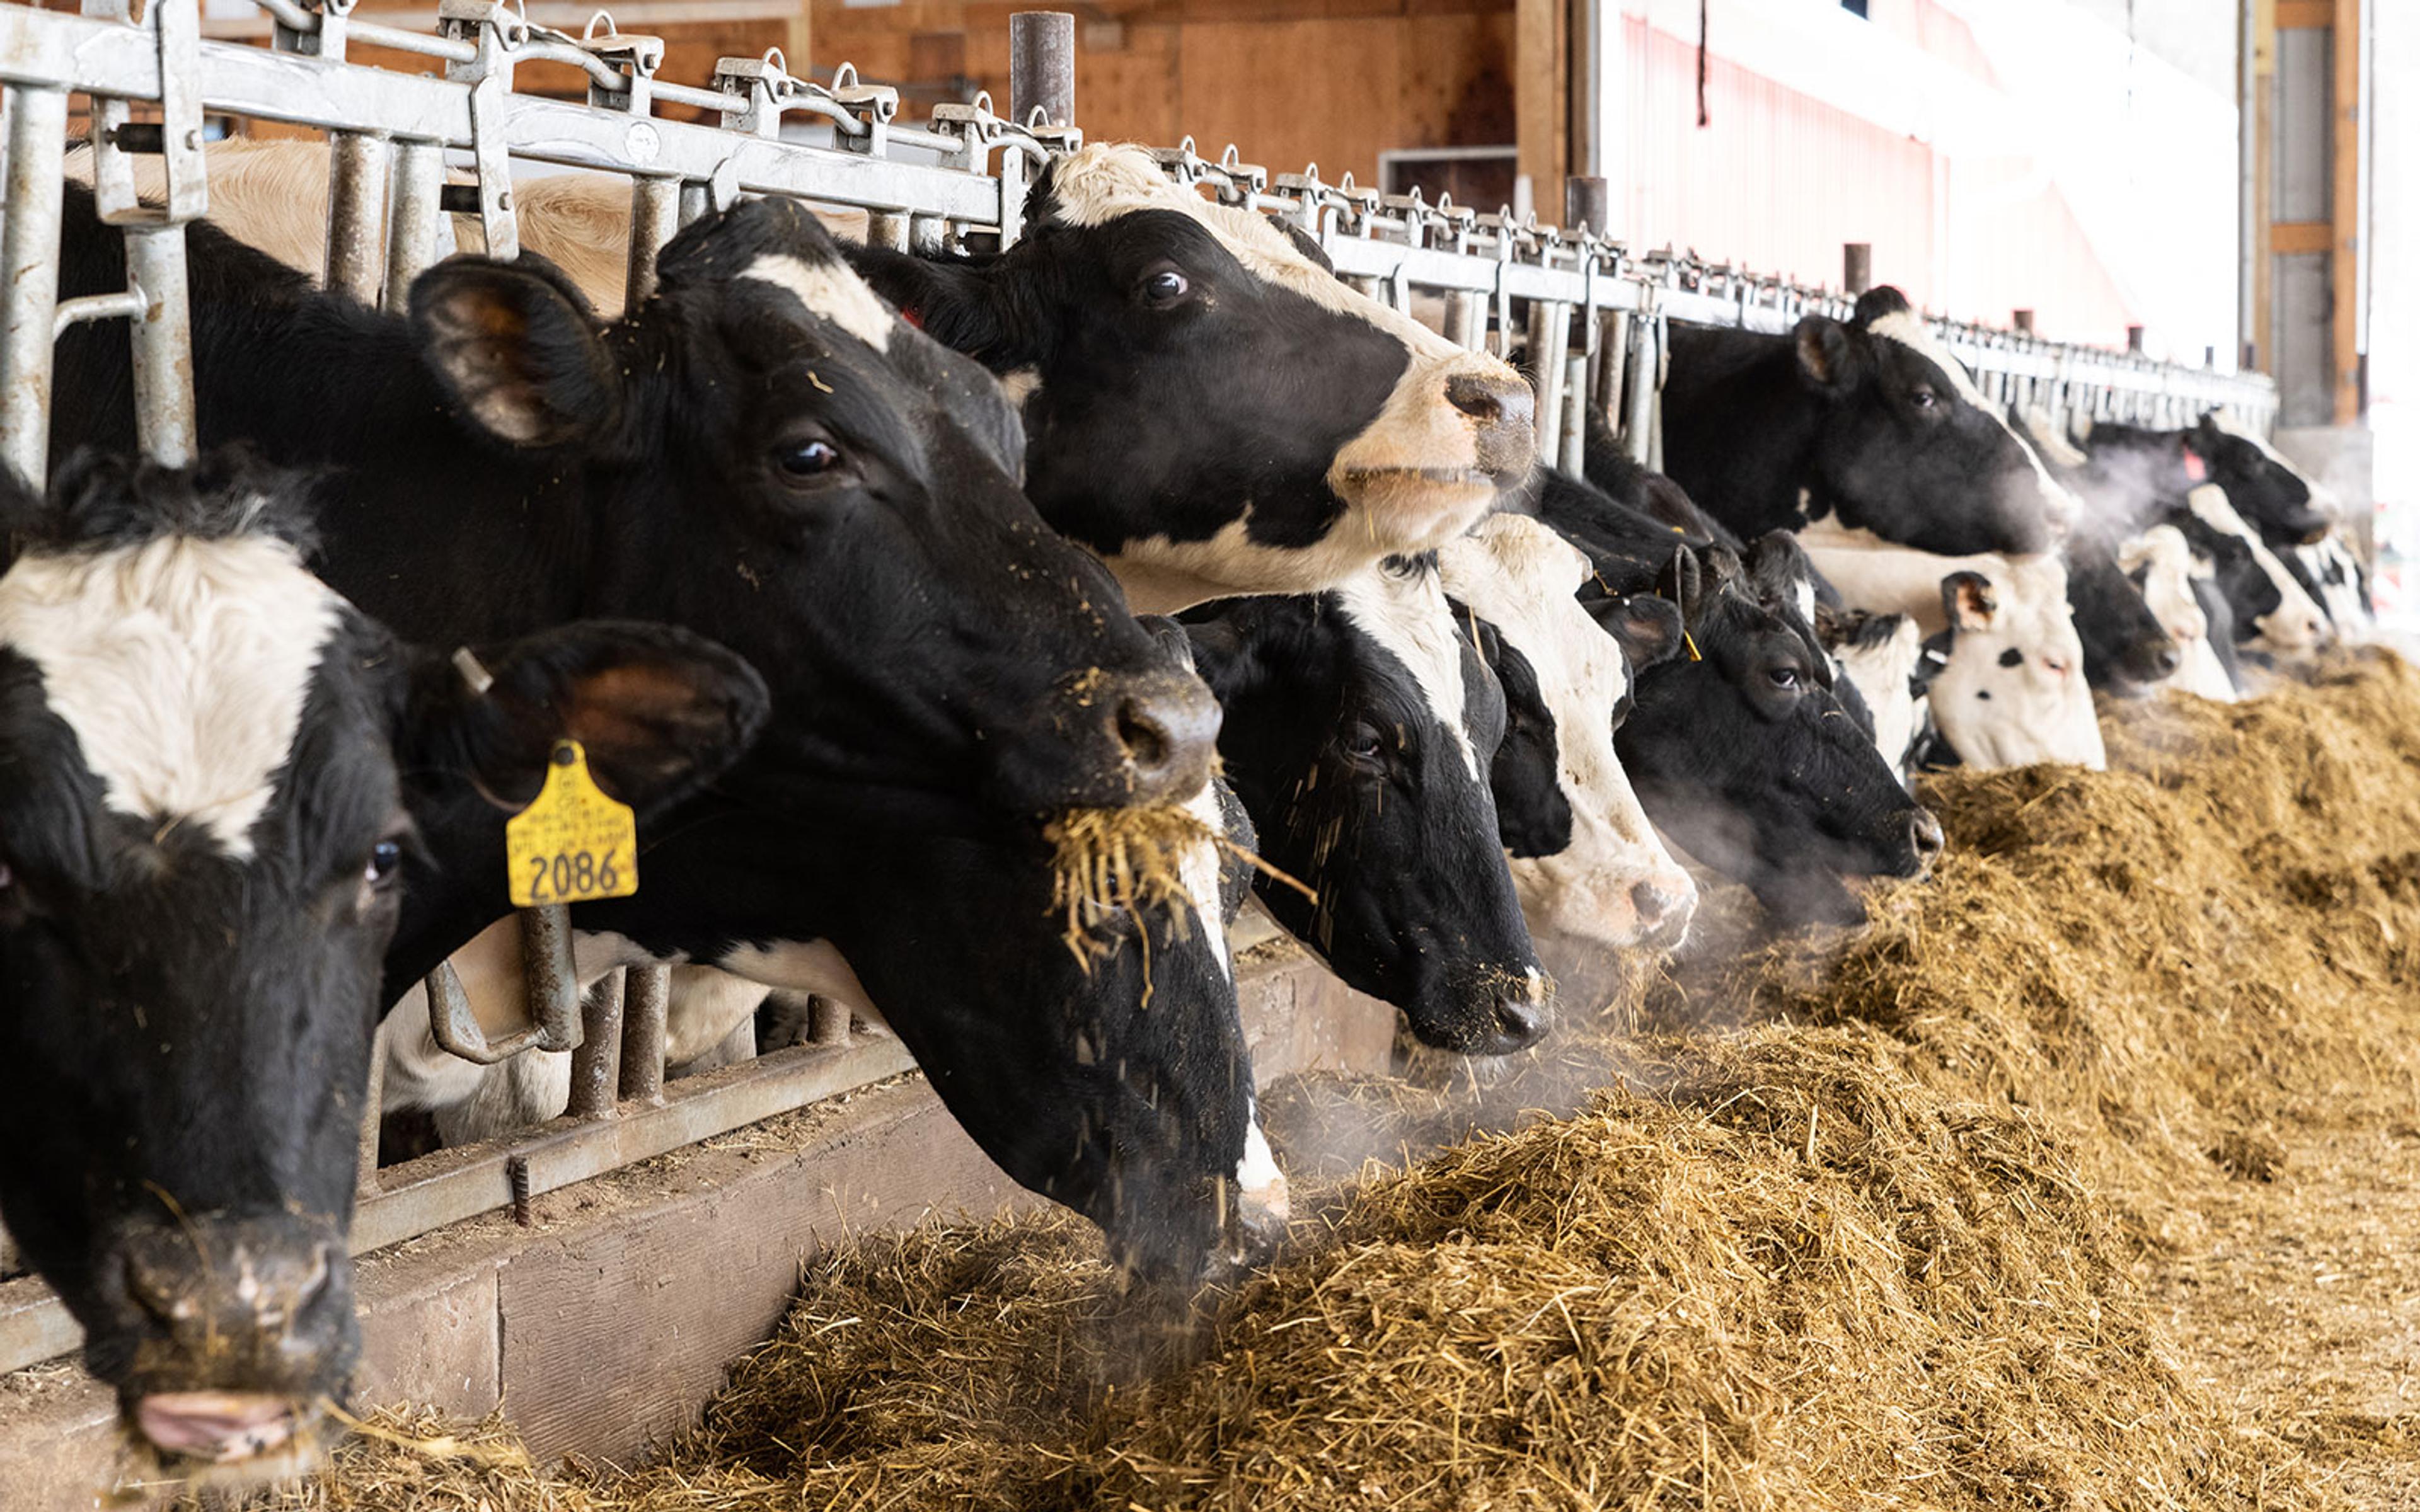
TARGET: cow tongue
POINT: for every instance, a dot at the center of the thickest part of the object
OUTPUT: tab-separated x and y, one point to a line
219	1426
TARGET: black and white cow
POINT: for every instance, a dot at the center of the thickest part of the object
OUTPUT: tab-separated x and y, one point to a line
1360	726
1882	657
2128	650
217	769
1206	405
1739	749
2161	566
763	451
1589	868
1870	422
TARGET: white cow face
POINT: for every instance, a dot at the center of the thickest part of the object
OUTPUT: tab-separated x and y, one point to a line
2161	563
1879	655
1611	881
2013	692
2297	624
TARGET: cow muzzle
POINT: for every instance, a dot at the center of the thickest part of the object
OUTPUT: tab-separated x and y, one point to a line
231	1331
1457	427
1115	740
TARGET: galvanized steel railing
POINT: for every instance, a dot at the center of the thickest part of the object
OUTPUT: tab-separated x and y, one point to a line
1588	314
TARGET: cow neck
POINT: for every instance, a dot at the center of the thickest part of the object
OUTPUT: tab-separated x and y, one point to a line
1741	431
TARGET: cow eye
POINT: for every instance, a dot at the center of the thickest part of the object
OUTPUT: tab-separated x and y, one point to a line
807	459
386	857
1923	398
1363	743
1163	287
1783	676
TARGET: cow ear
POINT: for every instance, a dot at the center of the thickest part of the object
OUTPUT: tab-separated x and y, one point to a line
1966	601
972	305
1220	656
1171	635
1681	582
1648	627
660	711
1828	355
1777	564
517	349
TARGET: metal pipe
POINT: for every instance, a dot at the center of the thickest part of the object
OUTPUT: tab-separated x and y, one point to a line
654	218
2023	321
126	305
1573	457
1042	67
645	1005
1550	337
365	1177
552	979
1857	267
29	270
927	235
597	1065
1613	365
164	345
884	229
695	200
357	173
1588	202
827	1022
1639	424
414	218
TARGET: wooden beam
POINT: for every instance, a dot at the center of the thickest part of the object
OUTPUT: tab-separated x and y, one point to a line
797	47
2297	14
2344	277
2260	48
1541	108
2286	238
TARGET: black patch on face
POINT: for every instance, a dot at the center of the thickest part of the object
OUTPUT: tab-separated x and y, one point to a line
1358	791
2126	648
2012	657
2250	593
1533	814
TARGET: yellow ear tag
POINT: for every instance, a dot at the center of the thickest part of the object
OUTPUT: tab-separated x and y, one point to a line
575	843
1692	645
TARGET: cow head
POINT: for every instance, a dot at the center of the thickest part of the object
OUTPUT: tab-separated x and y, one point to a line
2127	649
2270	606
2162	567
1207	406
770	455
1590	870
1909	449
218	770
1359	728
2266	490
2013	691
1742	752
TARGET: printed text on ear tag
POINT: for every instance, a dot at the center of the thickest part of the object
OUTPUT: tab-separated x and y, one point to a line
575	843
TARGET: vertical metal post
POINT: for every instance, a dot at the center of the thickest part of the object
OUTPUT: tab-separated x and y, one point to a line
1612	364
414	218
2135	339
29	270
697	198
887	228
644	1007
357	174
1575	408
1464	317
2023	321
597	1065
654	218
1588	201
827	1022
1638	426
1857	267
1550	340
927	235
1042	67
365	1177
163	346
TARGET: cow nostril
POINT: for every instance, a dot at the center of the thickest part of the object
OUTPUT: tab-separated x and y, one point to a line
1924	833
2167	660
1481	398
1143	734
1519	1023
1647	900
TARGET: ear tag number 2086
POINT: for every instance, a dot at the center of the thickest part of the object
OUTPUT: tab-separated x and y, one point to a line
575	843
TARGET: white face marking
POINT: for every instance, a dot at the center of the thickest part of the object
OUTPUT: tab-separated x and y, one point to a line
182	667
832	291
1018	385
1881	672
1161	575
1406	614
2166	563
1257	1176
1909	330
1522	577
1199	872
2296	623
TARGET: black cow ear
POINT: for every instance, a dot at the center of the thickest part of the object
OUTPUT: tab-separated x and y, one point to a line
517	349
21	509
972	305
1681	582
1828	355
1776	565
1220	658
1171	635
660	711
1966	601
1648	627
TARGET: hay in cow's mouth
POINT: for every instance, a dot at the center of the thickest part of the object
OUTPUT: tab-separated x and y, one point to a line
1855	1222
1111	861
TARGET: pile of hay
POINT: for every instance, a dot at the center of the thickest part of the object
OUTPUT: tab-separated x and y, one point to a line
1852	1220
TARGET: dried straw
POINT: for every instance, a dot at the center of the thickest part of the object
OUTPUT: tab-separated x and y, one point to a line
1850	1221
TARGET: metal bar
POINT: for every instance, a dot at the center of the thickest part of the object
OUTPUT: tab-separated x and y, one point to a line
413	217
1042	68
1638	422
357	175
827	1021
554	980
884	229
366	1176
1549	337
1573	432
655	219
128	305
29	270
1588	202
1613	365
597	1065
164	345
644	1007
1857	267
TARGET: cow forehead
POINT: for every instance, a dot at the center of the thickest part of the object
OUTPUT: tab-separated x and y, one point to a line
830	290
1096	184
1909	329
1406	615
181	665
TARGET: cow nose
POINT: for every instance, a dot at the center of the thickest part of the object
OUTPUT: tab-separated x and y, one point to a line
1924	834
1664	908
1520	1022
1487	397
209	1280
2166	658
1166	731
1506	412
